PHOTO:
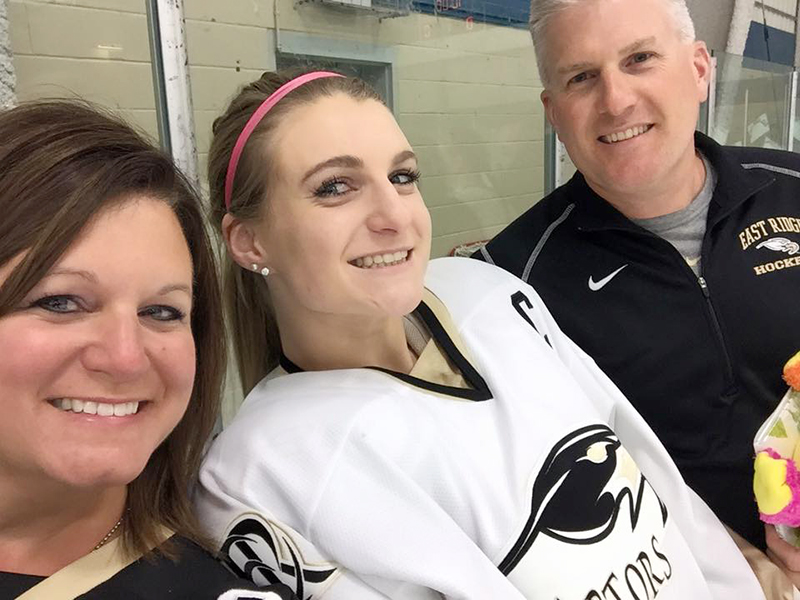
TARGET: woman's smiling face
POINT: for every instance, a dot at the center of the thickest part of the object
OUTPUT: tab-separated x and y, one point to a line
99	359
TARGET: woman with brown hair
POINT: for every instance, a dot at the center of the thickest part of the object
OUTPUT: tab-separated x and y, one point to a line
111	362
416	430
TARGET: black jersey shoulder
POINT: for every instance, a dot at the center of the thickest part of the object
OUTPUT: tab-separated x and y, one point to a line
195	575
515	246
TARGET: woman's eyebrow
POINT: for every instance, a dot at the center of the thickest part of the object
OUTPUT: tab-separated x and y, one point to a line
404	155
337	161
175	287
91	277
88	275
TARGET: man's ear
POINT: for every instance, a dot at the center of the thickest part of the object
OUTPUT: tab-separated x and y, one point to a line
242	242
701	62
549	110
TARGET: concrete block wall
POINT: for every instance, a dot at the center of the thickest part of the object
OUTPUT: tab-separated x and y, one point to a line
95	49
465	94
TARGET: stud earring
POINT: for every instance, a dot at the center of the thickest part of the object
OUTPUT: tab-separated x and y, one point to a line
265	271
255	267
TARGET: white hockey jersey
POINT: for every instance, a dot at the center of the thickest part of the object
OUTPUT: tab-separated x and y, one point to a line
539	480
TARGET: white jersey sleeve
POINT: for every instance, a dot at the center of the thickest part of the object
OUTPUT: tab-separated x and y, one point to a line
396	546
264	551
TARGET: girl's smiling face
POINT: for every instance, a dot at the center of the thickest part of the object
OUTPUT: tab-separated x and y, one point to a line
345	230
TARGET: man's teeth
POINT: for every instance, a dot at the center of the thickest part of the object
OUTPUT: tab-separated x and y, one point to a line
381	260
104	409
621	136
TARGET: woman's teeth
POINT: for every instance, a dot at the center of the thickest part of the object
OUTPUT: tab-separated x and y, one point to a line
104	409
627	134
377	261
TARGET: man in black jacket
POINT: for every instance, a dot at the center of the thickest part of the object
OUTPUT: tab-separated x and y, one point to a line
673	261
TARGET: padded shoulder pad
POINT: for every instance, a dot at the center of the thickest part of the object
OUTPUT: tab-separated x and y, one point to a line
267	552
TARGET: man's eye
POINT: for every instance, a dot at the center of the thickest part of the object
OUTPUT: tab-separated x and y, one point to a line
163	313
57	304
579	78
642	57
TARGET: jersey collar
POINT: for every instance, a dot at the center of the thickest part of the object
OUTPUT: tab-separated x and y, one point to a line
437	319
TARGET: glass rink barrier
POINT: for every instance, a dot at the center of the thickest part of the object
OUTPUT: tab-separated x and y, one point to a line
754	103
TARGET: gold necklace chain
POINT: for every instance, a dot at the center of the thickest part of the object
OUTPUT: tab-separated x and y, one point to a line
109	534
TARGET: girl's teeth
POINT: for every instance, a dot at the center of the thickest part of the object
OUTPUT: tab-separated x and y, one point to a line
381	260
103	409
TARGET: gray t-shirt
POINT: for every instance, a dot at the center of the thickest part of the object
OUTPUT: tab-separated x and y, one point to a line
685	228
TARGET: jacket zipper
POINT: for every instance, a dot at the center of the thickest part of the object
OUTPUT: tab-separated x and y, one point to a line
730	381
718	330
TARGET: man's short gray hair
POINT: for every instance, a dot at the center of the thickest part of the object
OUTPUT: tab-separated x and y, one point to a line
543	10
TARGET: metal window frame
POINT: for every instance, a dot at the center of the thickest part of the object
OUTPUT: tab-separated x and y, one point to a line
790	126
309	44
166	27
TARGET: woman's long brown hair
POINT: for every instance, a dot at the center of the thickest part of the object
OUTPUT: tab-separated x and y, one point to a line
62	163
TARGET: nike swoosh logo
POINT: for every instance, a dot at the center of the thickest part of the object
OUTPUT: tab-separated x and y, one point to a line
596	286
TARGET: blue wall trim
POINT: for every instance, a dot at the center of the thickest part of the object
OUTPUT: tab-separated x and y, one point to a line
512	13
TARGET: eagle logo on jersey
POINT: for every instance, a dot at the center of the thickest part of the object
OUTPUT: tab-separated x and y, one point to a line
572	500
590	489
264	552
781	244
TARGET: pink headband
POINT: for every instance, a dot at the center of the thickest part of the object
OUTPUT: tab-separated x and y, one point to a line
255	119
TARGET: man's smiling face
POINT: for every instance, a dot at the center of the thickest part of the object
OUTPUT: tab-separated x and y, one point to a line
623	92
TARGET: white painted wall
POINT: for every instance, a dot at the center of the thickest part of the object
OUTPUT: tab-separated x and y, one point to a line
779	14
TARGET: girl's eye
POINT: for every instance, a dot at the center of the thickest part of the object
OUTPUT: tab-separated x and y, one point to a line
405	177
57	304
332	187
163	313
